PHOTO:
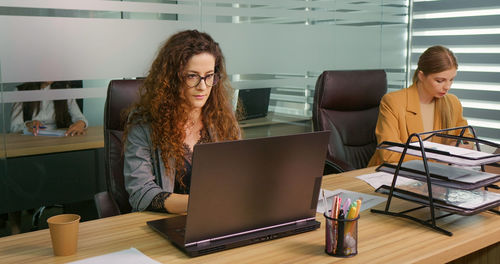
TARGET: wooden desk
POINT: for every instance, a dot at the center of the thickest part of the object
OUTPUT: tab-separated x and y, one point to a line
382	239
17	145
39	171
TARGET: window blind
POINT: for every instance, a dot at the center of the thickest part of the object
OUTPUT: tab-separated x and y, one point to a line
471	29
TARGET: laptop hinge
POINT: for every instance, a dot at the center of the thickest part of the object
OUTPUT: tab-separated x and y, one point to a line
203	243
207	241
301	222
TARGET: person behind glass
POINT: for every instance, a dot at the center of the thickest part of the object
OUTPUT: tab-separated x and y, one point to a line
424	106
185	100
50	114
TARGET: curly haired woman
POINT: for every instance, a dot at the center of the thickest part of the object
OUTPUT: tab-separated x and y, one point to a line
185	100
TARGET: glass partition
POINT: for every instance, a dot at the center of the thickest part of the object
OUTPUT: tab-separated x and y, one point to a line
282	45
471	29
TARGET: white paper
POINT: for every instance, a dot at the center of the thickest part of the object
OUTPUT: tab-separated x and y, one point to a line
127	256
46	132
456	173
380	178
368	200
482	157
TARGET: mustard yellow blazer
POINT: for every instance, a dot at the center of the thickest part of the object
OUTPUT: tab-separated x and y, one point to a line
400	116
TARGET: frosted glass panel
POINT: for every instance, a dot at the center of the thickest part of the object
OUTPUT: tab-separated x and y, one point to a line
73	48
287	44
283	45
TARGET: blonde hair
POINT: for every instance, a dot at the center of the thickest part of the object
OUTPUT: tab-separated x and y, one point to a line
437	59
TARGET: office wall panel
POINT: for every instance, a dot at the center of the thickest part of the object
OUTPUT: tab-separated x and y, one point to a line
55	48
118	39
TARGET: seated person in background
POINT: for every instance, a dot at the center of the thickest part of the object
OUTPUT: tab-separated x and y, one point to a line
185	100
51	114
424	106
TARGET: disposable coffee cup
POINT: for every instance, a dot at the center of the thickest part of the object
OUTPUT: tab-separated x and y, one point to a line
341	236
64	233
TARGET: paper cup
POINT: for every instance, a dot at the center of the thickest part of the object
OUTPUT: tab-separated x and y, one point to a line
64	233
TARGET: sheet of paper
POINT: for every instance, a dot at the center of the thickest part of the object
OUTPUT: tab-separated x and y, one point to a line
461	174
127	256
378	179
478	157
368	200
460	198
46	132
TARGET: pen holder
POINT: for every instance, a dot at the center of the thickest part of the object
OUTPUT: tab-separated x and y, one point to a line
341	237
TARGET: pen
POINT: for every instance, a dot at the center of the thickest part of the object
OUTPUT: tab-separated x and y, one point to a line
335	213
358	206
337	207
351	206
358	210
332	212
340	234
351	215
346	206
352	211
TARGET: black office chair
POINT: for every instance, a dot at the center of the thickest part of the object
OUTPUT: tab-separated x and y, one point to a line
121	94
347	103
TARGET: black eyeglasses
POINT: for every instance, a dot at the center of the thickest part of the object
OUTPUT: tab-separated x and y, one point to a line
193	80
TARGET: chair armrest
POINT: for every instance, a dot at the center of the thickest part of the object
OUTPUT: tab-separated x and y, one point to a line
332	168
106	205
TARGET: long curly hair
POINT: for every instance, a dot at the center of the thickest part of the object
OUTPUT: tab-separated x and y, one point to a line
164	108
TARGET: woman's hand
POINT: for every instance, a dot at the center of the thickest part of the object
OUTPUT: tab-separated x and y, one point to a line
176	203
77	128
35	126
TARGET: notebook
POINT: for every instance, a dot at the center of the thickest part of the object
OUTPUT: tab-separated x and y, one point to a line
46	132
255	102
248	191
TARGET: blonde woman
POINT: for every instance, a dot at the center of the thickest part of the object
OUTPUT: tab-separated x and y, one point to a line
424	106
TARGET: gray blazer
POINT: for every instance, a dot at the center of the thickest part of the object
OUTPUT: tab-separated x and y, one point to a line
144	177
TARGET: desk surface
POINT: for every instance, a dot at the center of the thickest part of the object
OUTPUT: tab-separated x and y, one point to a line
382	239
17	145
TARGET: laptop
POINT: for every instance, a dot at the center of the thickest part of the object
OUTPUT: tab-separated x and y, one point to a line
255	102
248	191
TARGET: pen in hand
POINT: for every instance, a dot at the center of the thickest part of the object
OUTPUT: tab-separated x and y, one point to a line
36	126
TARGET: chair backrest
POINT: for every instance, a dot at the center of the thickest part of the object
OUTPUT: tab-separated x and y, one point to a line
121	94
347	103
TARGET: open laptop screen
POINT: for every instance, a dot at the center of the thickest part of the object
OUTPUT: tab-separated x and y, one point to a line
255	102
254	183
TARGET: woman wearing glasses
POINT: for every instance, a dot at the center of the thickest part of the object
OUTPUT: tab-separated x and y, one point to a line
185	100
